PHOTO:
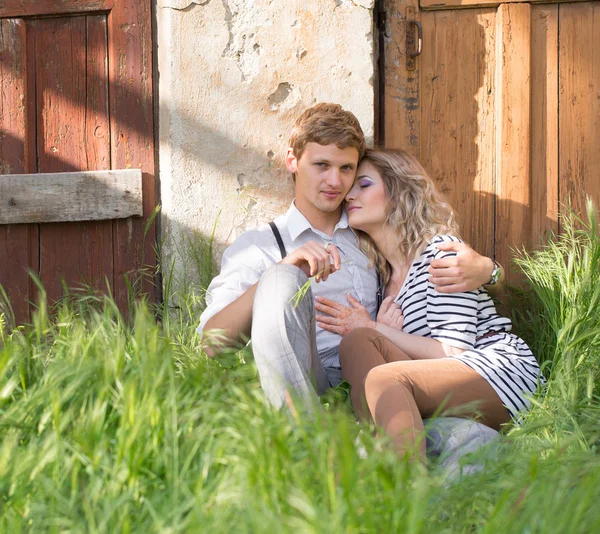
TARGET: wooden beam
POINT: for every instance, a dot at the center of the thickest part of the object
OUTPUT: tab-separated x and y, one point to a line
36	8
544	122
70	196
513	127
132	141
19	244
458	4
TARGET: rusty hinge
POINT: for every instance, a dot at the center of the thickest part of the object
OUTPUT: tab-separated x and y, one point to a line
414	38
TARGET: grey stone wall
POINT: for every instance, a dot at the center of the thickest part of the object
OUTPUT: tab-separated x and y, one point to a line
233	75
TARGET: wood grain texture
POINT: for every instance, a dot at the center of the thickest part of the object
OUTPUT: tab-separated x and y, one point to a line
457	123
31	8
402	97
513	121
469	4
68	71
579	100
544	123
18	243
70	196
132	139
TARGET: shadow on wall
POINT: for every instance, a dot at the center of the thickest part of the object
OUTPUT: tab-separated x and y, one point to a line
208	146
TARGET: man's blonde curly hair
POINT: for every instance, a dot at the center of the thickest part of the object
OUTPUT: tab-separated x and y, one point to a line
415	209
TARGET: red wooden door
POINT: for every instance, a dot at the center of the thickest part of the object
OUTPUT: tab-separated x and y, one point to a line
76	95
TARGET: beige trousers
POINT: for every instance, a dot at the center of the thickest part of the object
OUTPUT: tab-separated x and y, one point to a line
399	392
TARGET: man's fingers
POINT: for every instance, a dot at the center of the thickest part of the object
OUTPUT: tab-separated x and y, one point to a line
444	263
335	254
319	260
316	256
445	281
452	288
313	264
446	272
451	245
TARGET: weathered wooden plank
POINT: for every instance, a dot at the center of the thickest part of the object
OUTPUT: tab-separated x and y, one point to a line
70	196
61	94
64	85
402	104
544	122
513	147
579	99
132	139
457	124
36	8
468	4
97	131
18	243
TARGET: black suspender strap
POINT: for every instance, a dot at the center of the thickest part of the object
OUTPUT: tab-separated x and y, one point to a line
283	252
279	240
380	290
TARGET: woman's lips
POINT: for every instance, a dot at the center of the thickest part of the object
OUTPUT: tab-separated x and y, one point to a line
352	208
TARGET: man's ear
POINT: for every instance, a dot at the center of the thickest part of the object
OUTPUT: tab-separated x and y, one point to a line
290	161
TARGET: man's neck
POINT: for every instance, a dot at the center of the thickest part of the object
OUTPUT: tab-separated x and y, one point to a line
320	220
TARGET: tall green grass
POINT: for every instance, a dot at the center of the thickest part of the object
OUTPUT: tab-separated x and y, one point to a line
111	425
561	323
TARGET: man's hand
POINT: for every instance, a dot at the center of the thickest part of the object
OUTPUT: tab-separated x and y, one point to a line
464	272
390	314
315	260
341	319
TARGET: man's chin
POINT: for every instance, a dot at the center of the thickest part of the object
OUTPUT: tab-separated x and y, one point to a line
330	206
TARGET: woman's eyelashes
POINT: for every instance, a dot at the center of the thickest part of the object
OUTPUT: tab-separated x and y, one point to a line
364	181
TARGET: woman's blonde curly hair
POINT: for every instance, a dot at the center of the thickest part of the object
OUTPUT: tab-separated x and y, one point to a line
415	209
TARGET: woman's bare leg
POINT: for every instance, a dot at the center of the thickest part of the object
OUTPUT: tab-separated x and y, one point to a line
360	351
401	394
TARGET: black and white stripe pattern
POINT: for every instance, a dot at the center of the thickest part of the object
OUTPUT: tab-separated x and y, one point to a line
460	320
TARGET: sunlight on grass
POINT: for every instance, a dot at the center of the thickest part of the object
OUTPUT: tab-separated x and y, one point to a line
117	425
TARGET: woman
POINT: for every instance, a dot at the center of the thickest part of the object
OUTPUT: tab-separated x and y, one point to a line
427	351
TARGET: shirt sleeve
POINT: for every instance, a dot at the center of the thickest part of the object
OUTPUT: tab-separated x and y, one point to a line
451	317
242	265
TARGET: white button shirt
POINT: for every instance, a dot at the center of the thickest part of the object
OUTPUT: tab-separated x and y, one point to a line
256	250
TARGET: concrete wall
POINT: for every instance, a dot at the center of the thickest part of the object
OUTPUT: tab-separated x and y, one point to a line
233	75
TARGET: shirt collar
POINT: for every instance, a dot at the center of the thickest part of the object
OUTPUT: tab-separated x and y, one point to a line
298	223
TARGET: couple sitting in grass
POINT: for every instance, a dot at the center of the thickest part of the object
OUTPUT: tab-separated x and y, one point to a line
402	314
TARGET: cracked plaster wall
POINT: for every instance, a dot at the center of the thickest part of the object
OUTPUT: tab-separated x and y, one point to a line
233	75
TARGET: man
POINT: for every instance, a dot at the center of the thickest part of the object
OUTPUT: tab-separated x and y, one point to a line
254	293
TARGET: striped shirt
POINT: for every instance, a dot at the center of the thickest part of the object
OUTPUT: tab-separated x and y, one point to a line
460	320
251	254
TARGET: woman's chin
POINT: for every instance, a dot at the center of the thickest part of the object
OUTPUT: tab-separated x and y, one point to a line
355	224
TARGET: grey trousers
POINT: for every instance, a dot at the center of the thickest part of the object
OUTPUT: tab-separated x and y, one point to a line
285	352
284	338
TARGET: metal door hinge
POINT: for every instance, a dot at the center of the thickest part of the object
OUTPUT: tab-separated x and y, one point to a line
414	39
